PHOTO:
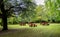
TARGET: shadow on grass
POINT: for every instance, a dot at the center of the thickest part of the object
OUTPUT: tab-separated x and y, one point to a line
40	31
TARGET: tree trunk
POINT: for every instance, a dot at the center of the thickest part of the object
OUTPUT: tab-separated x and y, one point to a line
4	16
4	20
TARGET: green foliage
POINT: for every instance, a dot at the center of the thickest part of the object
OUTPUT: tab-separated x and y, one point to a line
52	9
27	14
30	12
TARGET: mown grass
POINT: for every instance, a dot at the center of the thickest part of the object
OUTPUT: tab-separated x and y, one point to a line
53	30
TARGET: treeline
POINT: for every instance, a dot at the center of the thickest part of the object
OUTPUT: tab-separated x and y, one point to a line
36	21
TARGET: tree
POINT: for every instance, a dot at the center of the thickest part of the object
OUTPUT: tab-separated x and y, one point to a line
29	13
52	9
4	14
17	8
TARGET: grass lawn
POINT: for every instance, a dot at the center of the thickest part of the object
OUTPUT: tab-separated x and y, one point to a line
53	30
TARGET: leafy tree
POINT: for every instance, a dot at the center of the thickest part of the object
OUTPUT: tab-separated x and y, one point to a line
29	13
24	6
4	14
52	9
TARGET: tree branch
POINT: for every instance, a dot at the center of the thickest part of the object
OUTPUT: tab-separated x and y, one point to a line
9	8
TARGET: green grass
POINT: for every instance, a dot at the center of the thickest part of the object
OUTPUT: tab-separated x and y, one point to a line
53	30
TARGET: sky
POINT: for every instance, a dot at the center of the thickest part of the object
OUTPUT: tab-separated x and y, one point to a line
38	2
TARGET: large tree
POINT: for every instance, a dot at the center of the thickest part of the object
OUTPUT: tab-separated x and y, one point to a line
52	7
29	13
4	14
24	6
